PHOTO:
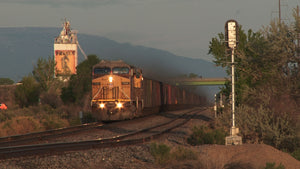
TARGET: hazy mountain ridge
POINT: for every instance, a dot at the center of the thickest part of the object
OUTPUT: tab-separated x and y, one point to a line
21	47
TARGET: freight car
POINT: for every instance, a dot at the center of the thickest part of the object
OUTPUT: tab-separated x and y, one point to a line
119	91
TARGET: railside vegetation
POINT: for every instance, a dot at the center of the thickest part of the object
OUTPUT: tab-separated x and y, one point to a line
267	88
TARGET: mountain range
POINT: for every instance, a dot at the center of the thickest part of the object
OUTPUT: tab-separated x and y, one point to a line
20	49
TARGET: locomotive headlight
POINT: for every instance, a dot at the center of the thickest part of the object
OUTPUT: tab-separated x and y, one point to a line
101	105
110	79
119	105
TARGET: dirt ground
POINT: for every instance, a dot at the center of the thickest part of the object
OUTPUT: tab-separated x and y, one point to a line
244	156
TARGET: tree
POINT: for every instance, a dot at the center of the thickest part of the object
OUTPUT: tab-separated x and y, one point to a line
27	94
80	84
43	72
248	52
6	81
267	78
263	59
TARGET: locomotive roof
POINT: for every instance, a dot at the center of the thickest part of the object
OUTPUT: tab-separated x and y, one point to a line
108	63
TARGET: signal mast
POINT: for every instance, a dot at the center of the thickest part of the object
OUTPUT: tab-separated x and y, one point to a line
232	36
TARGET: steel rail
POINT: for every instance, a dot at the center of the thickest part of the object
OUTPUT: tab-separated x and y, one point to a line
31	137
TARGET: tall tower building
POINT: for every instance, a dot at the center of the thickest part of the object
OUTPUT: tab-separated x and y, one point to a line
65	52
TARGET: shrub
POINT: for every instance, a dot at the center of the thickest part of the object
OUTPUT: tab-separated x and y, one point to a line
203	135
20	125
53	122
161	152
181	154
6	81
296	154
289	144
6	115
238	165
50	98
219	136
75	121
263	125
67	95
88	118
272	166
31	119
27	94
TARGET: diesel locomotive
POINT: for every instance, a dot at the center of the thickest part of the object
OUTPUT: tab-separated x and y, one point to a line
119	92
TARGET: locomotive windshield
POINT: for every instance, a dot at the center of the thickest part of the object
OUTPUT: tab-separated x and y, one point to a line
102	70
120	70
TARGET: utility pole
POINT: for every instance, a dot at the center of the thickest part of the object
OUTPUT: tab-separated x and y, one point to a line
279	6
298	34
298	38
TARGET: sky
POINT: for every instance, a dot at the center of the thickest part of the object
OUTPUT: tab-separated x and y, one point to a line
182	27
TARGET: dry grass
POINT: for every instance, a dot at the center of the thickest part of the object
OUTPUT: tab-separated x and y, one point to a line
165	155
19	125
33	119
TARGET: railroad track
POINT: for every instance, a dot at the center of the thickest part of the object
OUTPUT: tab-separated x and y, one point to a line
132	138
39	136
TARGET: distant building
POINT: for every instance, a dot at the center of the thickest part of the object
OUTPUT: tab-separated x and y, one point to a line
65	52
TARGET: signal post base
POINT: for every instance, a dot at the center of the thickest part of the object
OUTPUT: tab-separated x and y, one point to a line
233	139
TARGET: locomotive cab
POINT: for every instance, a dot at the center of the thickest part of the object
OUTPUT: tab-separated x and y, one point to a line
115	90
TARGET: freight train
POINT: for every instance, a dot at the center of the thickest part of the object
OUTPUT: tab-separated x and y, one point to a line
119	92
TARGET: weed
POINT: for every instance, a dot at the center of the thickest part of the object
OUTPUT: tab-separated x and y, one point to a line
203	135
5	115
53	122
182	154
88	118
75	121
296	154
238	165
273	166
161	153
